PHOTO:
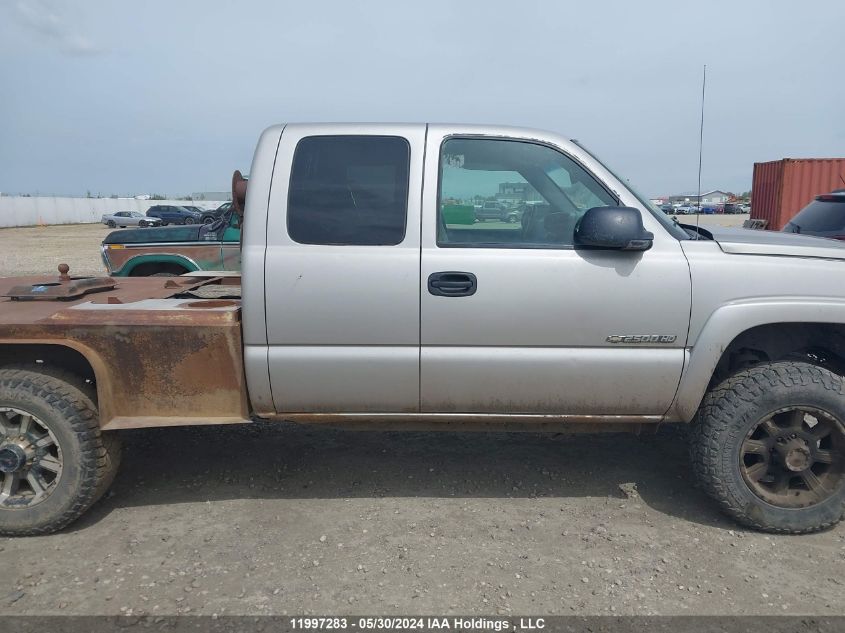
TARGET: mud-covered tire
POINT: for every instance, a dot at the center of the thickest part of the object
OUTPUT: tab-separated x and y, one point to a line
63	404
730	411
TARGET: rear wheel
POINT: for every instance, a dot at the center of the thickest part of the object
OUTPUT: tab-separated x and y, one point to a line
54	461
769	447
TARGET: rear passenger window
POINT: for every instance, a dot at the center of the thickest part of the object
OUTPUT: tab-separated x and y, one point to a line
349	190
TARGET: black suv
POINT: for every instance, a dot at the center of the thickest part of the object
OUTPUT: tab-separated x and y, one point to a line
823	217
209	217
171	214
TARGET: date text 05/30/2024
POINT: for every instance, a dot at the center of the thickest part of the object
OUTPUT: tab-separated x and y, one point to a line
433	623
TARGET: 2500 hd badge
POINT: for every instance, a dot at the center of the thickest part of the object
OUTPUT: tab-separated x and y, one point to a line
641	338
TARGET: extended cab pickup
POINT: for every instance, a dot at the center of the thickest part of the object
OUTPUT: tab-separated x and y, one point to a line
361	304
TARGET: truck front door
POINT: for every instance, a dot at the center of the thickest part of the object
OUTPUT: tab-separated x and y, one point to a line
342	269
514	317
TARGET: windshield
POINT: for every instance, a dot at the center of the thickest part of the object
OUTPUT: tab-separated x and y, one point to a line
820	216
673	227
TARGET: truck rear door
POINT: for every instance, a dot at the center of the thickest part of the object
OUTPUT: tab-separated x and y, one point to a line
342	268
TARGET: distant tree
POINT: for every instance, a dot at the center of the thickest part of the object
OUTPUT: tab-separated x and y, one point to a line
158	196
88	194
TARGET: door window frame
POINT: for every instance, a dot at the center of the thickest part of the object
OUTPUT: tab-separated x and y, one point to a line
512	246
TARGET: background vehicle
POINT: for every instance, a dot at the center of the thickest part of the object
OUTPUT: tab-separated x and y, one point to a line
496	211
171	214
361	305
210	216
684	209
129	218
174	250
732	208
823	217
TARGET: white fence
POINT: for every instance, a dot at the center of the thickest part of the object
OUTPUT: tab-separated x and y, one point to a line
26	211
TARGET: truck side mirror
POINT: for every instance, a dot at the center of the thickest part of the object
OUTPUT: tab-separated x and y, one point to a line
619	228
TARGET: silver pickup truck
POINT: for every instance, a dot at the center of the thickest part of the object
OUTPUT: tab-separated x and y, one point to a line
370	298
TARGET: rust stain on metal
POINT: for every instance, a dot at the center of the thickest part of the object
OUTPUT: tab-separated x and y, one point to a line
66	287
478	422
206	255
177	360
239	187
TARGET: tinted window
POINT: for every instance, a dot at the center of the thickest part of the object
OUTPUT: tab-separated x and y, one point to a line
512	194
821	215
349	190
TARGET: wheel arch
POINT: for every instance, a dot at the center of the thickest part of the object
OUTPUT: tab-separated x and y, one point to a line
770	329
134	266
67	355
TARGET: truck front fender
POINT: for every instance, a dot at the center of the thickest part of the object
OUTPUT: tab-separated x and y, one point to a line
731	320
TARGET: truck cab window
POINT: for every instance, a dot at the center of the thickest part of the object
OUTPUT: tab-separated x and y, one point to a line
512	194
349	190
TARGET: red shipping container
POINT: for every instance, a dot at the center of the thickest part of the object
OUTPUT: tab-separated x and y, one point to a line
781	188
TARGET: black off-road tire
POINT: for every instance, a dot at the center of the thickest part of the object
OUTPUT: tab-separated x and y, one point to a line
110	439
90	458
111	224
727	414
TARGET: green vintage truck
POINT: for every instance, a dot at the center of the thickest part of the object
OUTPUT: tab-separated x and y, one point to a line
174	250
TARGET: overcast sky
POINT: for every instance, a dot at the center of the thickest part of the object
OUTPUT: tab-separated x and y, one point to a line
170	96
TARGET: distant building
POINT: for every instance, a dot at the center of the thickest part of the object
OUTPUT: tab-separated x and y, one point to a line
710	197
223	196
513	193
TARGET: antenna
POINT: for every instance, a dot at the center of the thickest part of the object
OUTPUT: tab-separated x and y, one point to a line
700	151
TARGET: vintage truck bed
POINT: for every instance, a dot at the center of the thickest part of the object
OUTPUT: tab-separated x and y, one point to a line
160	354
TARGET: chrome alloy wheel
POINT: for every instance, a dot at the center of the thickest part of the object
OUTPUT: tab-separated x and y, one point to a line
30	460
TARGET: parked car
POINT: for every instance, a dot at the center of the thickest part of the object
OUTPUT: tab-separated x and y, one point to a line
135	253
171	214
491	210
684	209
667	208
129	218
610	317
210	216
193	208
823	217
732	208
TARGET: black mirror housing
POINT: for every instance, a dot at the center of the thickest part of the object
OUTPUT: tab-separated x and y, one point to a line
619	228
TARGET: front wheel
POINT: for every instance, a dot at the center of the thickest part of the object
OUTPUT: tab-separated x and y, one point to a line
111	224
54	461
769	446
189	220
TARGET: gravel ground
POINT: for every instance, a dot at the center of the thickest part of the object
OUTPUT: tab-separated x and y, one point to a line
280	518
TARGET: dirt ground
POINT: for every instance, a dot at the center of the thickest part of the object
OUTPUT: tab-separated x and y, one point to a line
280	518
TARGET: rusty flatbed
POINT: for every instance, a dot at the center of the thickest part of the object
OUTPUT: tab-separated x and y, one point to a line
146	335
